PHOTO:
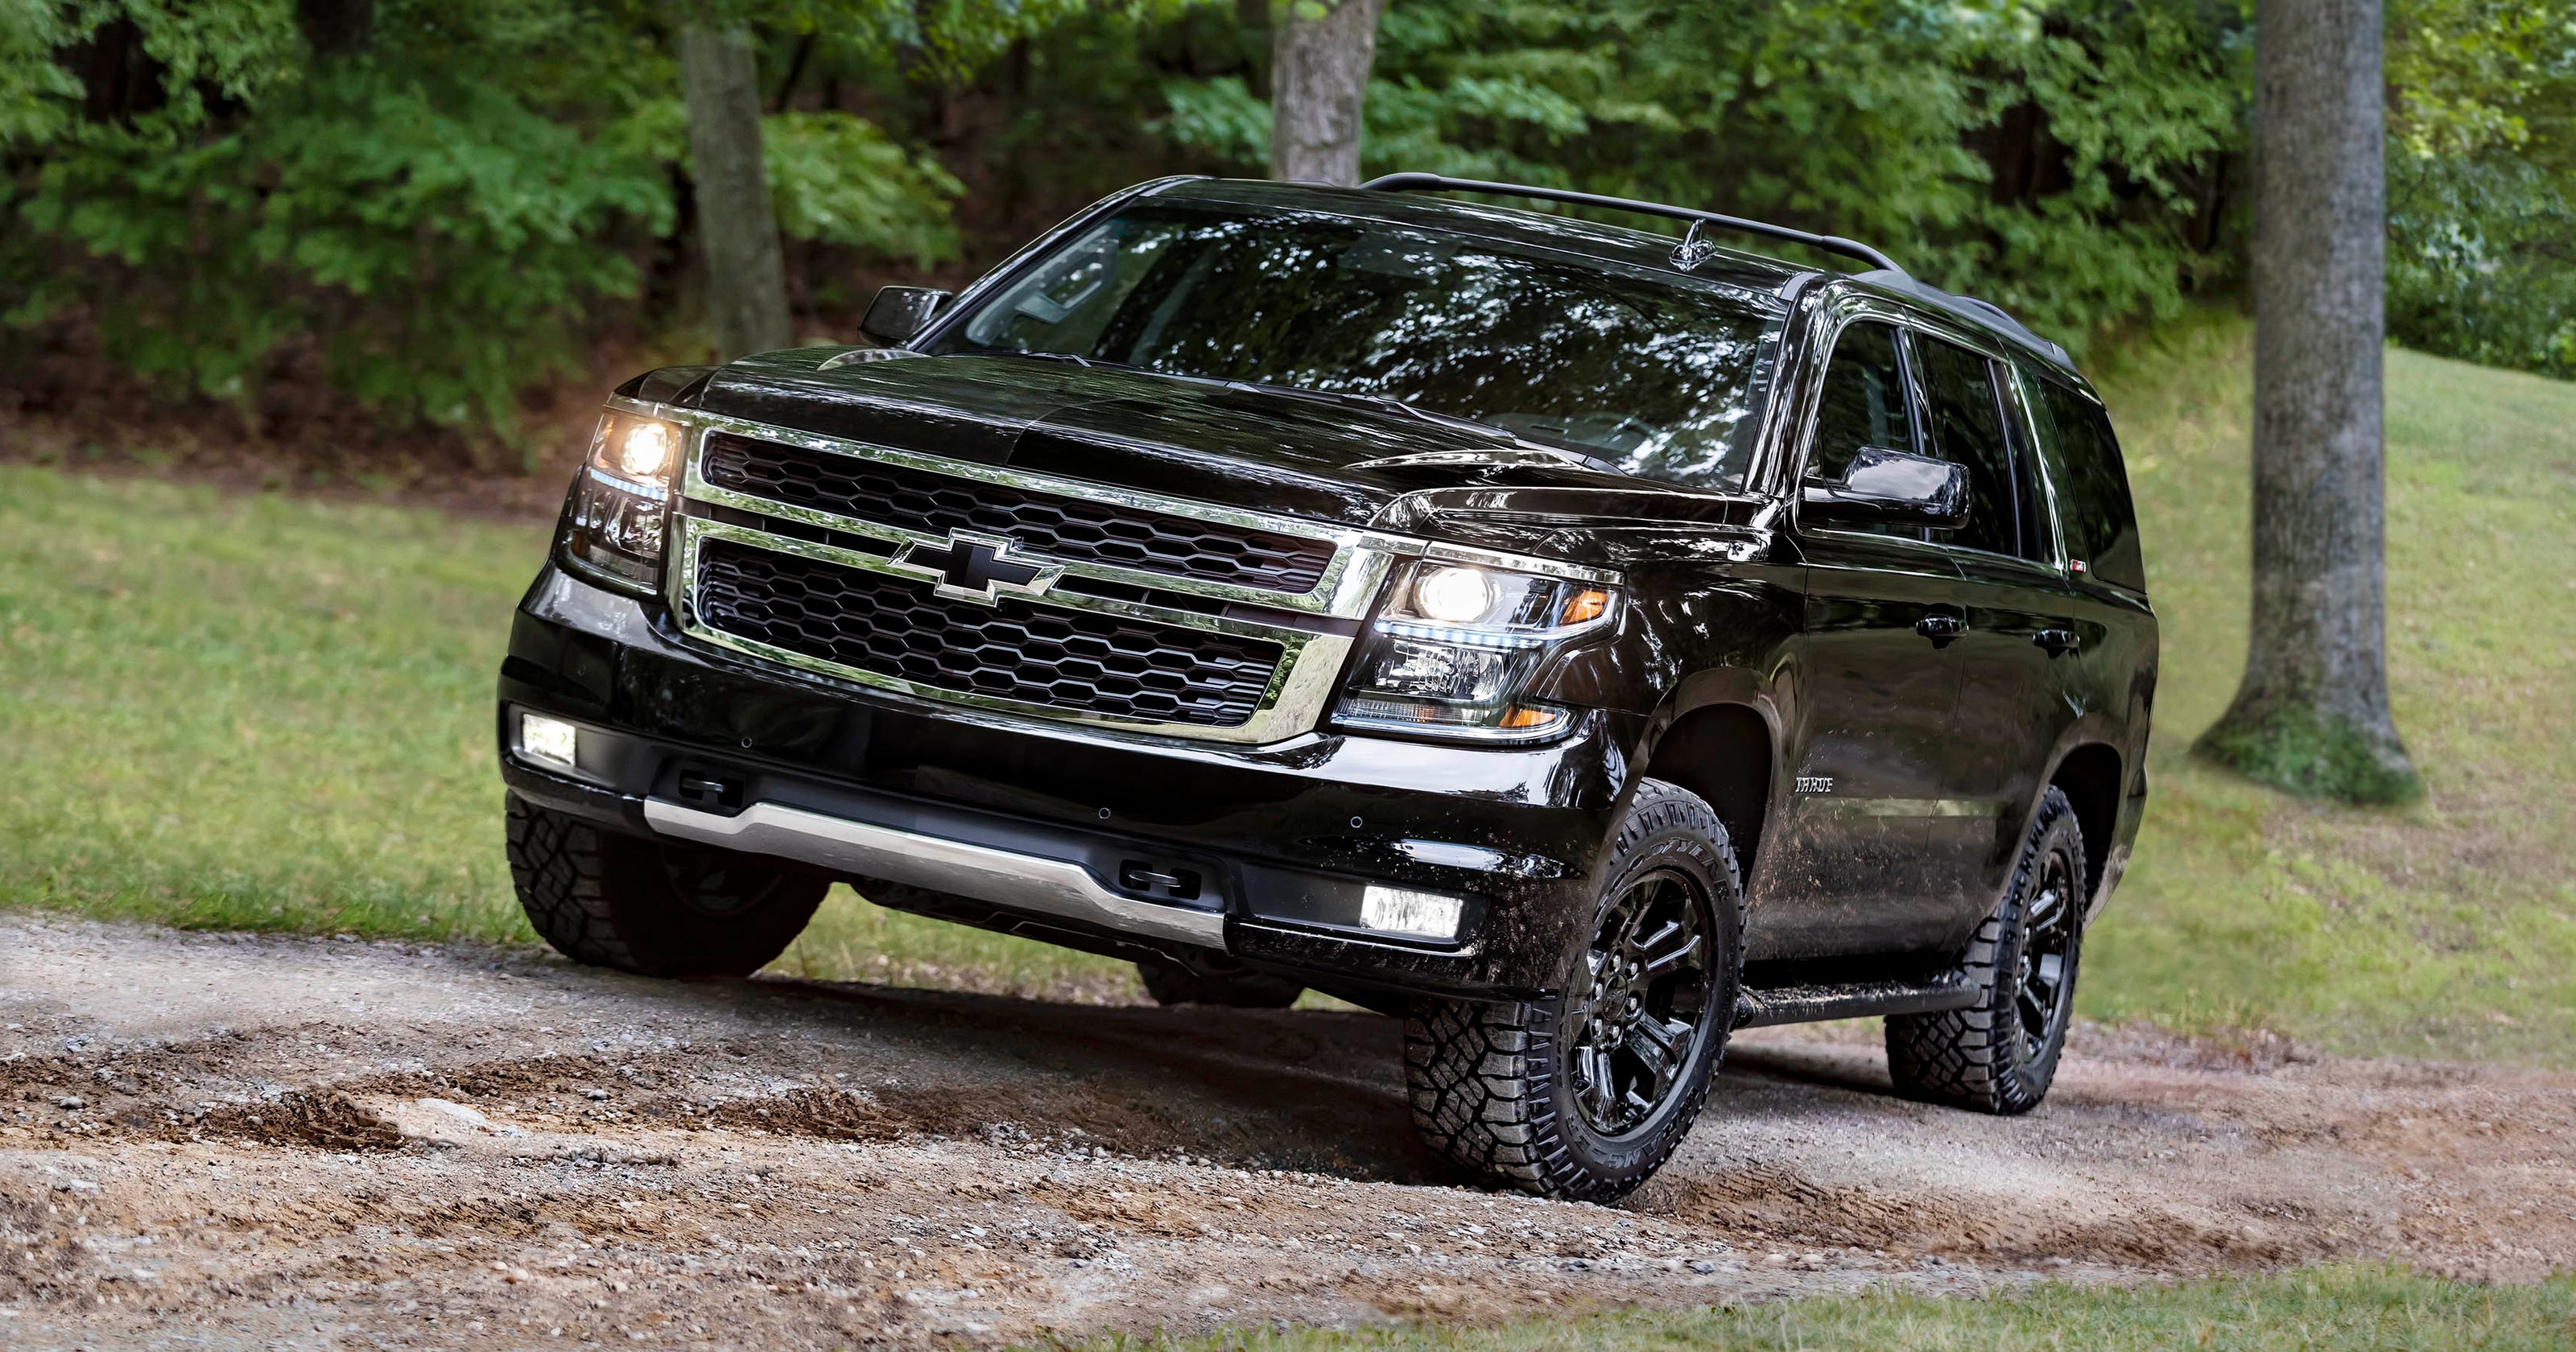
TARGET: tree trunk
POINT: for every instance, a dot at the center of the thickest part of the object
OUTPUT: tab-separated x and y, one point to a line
2312	715
737	228
1319	72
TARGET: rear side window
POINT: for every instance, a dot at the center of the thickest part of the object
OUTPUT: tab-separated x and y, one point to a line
1968	429
2083	459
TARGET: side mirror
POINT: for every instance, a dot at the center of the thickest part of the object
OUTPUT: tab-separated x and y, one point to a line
899	313
1888	487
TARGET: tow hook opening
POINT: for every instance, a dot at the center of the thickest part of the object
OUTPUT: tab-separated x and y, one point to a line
1159	880
710	789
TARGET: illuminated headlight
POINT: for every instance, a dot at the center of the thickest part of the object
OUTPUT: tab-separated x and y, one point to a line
646	451
1455	646
1453	594
549	741
1420	915
613	523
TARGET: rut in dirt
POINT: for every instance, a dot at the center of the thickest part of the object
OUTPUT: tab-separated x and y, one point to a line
386	1124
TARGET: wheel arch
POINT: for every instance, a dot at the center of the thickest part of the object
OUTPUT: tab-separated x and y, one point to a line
2090	775
1727	752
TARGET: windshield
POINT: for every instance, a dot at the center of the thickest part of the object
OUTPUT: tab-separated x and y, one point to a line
1652	374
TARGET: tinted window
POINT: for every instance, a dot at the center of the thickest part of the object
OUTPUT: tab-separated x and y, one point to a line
1863	402
1968	429
2083	459
1650	374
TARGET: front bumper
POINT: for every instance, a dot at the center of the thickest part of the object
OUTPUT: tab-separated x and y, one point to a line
1075	835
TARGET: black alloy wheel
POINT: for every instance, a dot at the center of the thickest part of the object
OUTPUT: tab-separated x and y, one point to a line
1632	1031
2047	959
1585	1093
2000	1054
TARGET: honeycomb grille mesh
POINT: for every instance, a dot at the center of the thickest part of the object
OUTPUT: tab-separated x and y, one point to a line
1071	529
1066	659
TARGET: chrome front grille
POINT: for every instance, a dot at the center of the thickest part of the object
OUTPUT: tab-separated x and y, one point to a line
1135	611
1054	525
1057	656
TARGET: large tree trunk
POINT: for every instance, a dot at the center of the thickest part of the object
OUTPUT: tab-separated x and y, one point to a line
1319	72
737	228
2312	714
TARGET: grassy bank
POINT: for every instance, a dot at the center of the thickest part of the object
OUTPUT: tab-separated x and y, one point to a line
229	711
2330	1309
2448	928
253	712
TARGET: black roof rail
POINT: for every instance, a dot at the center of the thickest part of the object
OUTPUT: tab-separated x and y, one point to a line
1834	244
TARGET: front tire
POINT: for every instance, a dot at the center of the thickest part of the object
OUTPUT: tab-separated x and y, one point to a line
654	907
2000	1055
1585	1094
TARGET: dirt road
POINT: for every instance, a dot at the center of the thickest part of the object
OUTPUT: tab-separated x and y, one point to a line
219	1141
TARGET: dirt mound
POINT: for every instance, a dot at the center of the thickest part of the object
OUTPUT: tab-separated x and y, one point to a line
1783	1205
326	1121
422	1147
1089	1113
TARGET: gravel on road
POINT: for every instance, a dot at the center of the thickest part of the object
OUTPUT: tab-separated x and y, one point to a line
223	1140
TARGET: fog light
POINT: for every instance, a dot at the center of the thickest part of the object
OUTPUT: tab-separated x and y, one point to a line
1397	910
548	741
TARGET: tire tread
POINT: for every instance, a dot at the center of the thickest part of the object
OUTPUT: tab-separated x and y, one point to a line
1481	1075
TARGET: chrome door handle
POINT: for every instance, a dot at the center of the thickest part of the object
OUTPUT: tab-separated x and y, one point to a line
1941	629
2058	642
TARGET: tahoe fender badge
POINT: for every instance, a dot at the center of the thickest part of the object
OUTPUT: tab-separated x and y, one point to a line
1815	783
972	567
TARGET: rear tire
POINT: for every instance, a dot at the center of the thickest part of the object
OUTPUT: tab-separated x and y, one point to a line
1170	984
654	907
2000	1055
1585	1094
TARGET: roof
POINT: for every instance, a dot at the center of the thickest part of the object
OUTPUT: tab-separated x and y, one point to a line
1984	314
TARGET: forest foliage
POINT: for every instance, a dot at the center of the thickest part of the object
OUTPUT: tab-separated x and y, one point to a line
430	207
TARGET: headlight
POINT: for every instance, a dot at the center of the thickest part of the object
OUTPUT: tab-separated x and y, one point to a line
1455	646
645	452
612	526
1453	595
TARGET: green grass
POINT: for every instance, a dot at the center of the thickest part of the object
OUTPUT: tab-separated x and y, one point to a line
2446	928
227	711
2325	1309
238	711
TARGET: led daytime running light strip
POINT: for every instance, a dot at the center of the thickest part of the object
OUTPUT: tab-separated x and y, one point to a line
1464	638
640	488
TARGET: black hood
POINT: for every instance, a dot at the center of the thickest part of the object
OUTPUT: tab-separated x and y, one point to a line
1239	446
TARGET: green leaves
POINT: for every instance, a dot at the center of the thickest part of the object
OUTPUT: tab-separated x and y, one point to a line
435	236
839	180
2052	156
436	221
1219	116
2482	181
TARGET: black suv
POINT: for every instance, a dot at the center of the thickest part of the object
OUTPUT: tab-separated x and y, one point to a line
1577	645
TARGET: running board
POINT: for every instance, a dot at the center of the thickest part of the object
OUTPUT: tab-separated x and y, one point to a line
1764	1006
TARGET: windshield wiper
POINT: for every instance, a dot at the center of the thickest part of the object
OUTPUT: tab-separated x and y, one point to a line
1085	362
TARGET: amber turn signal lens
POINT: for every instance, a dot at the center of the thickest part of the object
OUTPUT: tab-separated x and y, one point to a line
1586	604
1523	717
